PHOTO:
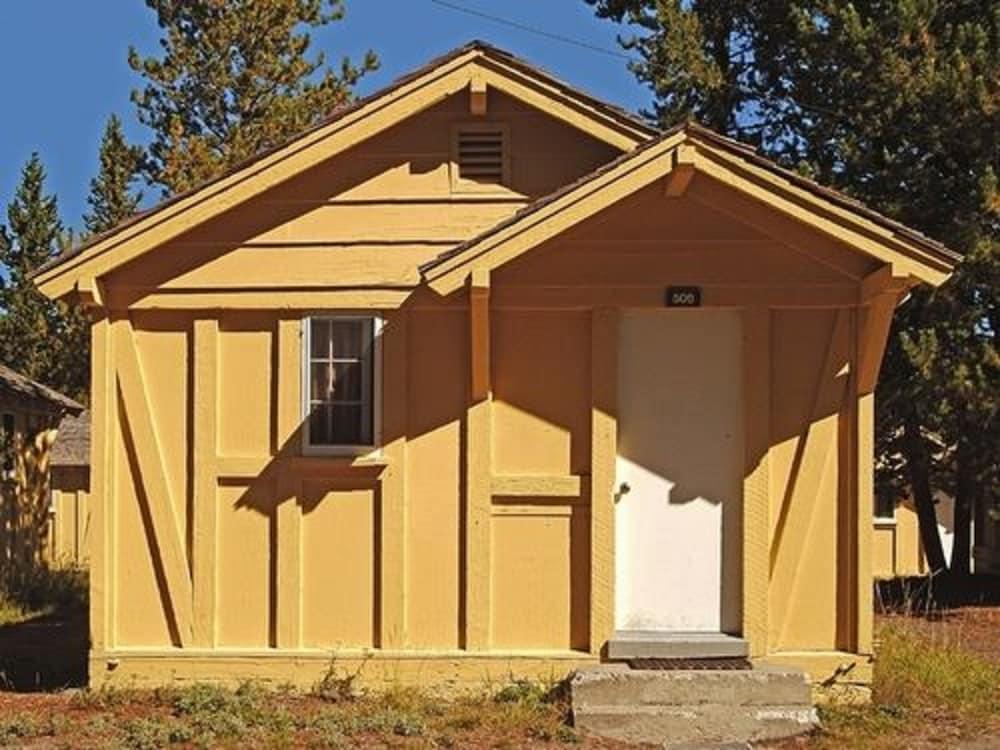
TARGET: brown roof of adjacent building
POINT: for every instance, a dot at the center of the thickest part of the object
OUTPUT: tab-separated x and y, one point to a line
35	394
72	446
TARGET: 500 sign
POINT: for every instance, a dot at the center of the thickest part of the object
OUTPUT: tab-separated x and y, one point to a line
683	296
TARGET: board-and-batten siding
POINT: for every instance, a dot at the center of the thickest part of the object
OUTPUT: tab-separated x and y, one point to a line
304	539
368	218
220	535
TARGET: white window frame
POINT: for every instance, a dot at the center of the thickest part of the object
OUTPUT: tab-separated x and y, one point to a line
308	449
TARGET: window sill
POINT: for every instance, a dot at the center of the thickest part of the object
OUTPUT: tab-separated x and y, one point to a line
883	523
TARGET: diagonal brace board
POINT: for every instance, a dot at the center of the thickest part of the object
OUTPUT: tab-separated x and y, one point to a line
155	489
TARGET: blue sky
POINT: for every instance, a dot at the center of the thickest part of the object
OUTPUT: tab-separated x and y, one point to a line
63	67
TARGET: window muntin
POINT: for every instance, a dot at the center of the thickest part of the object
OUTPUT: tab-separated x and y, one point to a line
340	382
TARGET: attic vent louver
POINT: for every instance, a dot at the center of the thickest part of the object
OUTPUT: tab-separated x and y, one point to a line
481	155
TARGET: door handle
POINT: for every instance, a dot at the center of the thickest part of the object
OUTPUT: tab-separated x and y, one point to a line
623	489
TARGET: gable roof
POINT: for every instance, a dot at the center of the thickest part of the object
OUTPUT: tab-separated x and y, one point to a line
735	164
33	393
348	125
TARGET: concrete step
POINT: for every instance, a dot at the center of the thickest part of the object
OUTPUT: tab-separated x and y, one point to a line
698	726
617	685
658	644
692	707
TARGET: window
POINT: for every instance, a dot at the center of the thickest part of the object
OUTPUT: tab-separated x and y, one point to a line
479	157
341	384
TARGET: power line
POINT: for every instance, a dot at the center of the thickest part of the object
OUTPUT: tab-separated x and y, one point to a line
614	53
531	29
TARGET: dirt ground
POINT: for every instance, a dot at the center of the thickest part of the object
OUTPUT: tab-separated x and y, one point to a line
203	719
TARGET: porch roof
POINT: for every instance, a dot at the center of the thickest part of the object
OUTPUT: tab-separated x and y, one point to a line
678	154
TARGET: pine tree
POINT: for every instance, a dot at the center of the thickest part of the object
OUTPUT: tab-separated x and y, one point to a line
38	337
112	198
704	60
236	78
896	102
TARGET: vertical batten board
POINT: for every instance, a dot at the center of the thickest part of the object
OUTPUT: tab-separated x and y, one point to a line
603	449
478	478
81	506
288	513
756	479
141	429
392	587
115	474
205	503
102	397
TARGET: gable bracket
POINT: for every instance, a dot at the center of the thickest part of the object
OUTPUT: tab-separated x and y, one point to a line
682	172
89	293
477	96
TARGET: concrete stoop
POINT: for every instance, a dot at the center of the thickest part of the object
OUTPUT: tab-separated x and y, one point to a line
699	708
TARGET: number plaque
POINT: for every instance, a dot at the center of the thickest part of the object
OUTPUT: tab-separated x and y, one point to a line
683	296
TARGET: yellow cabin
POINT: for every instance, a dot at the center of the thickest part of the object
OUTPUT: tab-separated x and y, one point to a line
484	377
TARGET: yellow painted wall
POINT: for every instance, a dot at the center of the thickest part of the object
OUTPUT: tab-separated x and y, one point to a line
217	535
438	371
809	355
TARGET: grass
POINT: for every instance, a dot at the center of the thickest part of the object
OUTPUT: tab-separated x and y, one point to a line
927	691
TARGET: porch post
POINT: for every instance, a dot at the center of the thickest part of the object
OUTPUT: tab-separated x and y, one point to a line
872	323
603	448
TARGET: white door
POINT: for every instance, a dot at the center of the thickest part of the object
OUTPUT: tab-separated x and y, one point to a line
679	471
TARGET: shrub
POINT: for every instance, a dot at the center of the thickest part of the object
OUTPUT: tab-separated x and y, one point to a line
151	733
337	687
524	692
21	728
43	590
